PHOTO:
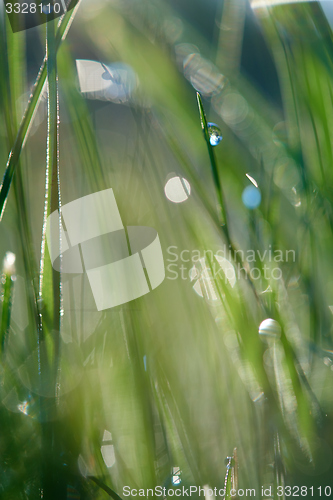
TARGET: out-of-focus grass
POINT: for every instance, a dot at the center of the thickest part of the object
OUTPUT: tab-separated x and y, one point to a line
181	376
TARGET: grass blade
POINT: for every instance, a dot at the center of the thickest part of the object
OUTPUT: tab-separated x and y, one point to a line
51	292
105	488
22	134
212	158
11	67
7	285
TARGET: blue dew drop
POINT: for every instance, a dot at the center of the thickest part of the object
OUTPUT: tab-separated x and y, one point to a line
251	197
215	135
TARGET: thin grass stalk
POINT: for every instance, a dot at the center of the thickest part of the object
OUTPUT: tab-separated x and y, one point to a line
219	193
306	184
6	296
11	67
105	488
52	181
4	82
14	155
52	486
84	136
213	163
229	479
279	470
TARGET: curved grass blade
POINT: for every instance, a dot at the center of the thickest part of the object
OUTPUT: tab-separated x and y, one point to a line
31	109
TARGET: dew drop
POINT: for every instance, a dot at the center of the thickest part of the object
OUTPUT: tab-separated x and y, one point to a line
29	407
24	407
251	197
40	302
215	135
229	462
269	329
9	263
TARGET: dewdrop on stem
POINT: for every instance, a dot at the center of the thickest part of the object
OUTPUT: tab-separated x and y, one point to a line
9	264
215	135
269	330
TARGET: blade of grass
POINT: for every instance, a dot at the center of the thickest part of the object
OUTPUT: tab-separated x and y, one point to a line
84	136
49	279
228	483
11	66
7	286
219	193
105	488
212	158
23	131
50	291
279	469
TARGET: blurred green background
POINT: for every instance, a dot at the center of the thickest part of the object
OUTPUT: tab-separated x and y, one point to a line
234	349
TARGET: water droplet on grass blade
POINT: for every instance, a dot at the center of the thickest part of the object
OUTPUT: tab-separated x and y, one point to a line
9	263
40	303
229	462
215	135
269	329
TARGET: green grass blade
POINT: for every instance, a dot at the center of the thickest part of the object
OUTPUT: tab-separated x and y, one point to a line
11	63
212	158
7	286
81	123
15	152
50	280
228	483
105	488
